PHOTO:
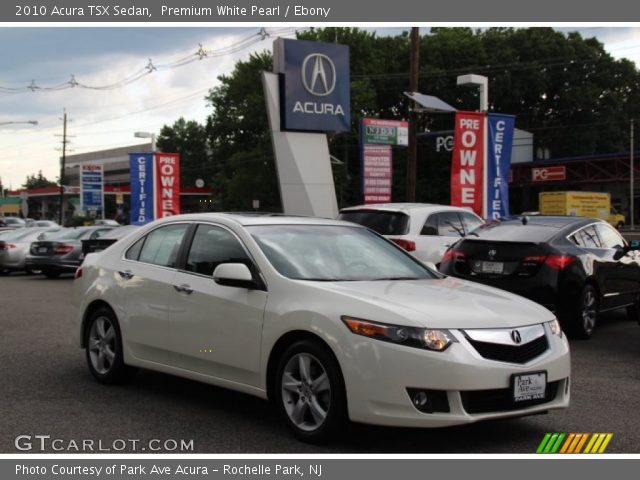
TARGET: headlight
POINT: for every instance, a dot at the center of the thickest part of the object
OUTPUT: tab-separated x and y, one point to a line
429	339
554	326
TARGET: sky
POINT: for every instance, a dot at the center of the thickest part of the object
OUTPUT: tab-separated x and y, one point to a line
104	56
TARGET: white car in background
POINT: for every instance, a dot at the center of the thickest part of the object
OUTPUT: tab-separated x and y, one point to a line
425	230
326	318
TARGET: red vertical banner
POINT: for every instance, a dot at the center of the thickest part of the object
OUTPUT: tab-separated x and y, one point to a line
467	167
167	191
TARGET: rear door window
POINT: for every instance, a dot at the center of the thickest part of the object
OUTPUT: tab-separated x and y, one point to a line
449	225
163	244
587	237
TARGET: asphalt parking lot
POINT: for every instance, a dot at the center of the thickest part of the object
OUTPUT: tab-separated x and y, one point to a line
46	389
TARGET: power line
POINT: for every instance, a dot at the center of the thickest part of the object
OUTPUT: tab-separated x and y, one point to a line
150	67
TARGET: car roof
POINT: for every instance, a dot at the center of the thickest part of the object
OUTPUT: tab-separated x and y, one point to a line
248	219
406	207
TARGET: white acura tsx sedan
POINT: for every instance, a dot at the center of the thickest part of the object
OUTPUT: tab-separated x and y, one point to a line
326	318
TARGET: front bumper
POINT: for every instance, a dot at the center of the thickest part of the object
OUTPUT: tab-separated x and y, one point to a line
378	374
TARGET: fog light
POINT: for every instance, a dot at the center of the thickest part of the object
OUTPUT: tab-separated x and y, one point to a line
420	400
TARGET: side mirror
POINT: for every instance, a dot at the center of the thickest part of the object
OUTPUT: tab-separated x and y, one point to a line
634	245
234	275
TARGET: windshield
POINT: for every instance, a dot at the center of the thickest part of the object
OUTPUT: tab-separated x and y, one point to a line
335	253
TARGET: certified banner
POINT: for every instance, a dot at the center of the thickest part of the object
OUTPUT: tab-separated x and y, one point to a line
167	171
142	188
376	173
92	190
501	129
467	172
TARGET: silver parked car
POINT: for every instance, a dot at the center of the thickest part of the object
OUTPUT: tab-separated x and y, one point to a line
14	247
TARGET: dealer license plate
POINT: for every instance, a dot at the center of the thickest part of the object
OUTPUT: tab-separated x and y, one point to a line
529	386
492	267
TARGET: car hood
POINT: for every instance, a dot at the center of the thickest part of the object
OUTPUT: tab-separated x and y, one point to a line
438	303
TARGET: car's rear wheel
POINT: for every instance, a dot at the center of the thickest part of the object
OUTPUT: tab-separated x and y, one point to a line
103	346
585	317
310	392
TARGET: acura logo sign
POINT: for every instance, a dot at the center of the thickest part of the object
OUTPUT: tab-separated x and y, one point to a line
492	253
318	74
515	336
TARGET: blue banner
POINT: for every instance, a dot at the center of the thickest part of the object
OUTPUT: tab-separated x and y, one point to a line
500	142
315	91
141	165
91	188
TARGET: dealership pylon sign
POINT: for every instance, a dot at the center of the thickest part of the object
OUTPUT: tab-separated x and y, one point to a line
155	186
481	162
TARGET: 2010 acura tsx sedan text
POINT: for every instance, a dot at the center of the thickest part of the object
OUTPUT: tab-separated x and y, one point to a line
326	318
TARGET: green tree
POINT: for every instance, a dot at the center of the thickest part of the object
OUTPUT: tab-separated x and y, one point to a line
565	89
38	181
188	138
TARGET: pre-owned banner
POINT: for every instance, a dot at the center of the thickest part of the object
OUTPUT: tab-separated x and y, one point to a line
498	164
467	172
167	173
141	167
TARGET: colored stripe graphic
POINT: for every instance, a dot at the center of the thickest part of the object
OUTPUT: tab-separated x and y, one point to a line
573	443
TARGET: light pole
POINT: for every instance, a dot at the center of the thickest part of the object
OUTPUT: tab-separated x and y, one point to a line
150	135
480	81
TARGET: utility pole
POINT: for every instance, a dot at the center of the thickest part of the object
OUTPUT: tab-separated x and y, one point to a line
631	182
63	161
414	70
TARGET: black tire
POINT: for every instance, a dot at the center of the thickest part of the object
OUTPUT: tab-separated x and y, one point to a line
51	273
333	402
633	311
103	348
31	271
4	271
585	316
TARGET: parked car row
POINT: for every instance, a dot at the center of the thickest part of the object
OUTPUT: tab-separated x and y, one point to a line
576	267
50	250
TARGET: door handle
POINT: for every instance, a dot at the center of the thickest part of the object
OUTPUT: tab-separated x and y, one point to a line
184	288
127	275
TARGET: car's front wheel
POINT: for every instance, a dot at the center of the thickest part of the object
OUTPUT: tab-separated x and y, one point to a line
585	317
310	391
103	345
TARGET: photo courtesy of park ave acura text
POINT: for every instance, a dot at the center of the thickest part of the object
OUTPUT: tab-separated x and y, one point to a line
330	239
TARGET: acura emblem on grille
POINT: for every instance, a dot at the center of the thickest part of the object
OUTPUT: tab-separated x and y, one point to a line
492	253
515	336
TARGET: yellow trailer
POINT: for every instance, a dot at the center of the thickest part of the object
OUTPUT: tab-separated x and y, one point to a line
580	204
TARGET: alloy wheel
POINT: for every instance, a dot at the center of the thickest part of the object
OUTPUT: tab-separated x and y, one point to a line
102	345
306	391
